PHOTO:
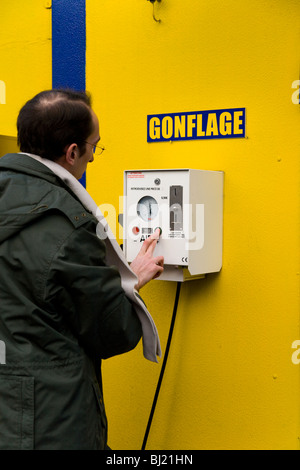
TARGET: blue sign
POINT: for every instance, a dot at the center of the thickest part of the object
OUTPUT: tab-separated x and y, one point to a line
198	125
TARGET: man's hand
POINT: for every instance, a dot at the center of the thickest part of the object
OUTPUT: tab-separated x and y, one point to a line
145	266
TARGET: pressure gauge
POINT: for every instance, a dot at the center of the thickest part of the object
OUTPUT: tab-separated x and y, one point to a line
147	208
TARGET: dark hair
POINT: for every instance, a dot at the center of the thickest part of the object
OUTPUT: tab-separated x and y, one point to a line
53	119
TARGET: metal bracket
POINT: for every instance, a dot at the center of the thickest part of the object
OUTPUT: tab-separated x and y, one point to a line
153	14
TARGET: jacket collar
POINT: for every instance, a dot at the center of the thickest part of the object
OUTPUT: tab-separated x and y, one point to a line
23	163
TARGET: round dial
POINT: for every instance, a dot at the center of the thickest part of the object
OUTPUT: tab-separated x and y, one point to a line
147	208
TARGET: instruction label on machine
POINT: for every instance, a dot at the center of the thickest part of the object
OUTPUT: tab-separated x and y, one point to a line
197	125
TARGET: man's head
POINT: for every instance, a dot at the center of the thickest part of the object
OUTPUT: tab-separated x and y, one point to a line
57	124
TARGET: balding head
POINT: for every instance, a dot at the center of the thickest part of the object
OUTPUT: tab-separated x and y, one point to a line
52	120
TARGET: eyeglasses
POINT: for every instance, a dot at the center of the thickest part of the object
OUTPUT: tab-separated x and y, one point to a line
97	149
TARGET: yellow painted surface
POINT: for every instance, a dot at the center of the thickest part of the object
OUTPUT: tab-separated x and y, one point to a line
230	382
8	144
25	56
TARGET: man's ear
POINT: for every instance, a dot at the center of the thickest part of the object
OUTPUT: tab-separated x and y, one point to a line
72	152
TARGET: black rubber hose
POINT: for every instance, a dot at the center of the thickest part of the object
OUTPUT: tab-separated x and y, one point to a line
162	367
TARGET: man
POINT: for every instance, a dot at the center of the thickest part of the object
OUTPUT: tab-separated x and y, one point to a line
62	306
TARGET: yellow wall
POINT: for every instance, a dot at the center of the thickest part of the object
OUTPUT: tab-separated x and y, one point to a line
8	144
230	382
25	56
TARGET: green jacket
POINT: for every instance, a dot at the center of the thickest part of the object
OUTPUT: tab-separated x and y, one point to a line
62	310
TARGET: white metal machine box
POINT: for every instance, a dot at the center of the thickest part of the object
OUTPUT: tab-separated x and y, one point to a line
187	205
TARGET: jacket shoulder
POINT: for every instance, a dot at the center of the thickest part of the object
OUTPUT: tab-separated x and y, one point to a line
47	192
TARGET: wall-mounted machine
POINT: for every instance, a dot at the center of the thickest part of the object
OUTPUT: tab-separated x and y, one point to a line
187	205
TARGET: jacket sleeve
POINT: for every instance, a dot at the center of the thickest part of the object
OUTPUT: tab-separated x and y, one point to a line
88	293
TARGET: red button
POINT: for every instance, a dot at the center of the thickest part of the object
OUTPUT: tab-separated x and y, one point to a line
135	230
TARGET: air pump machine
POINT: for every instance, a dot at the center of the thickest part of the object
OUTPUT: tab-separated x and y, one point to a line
187	206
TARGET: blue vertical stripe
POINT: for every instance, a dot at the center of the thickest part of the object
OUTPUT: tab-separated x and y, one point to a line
69	46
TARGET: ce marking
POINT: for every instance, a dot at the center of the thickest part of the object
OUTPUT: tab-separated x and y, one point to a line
184	259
